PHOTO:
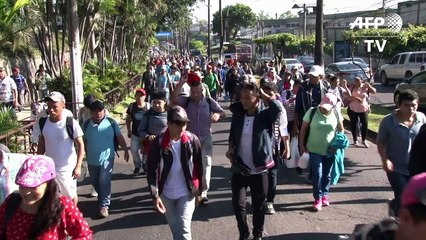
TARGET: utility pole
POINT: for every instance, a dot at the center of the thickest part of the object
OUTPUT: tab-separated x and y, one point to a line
304	21
208	29
75	57
319	51
221	30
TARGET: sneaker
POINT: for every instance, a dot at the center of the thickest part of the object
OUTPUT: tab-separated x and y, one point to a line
136	171
269	208
93	193
365	144
317	205
104	212
356	144
325	201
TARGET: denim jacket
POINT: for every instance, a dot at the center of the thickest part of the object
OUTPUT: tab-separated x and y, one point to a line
264	118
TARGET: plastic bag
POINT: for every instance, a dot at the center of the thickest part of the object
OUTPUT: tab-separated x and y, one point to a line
303	161
294	153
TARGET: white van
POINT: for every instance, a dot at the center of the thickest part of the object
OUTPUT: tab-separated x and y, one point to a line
402	66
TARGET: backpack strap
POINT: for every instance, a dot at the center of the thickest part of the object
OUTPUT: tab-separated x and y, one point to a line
70	127
12	205
111	121
41	123
312	114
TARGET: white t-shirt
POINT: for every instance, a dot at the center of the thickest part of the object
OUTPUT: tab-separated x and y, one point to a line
36	128
59	146
6	87
175	185
245	149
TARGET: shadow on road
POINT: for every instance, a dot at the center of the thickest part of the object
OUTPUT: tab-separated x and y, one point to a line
309	236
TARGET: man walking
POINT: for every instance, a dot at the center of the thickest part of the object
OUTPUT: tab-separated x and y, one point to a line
175	173
202	112
8	92
59	135
100	134
22	86
396	134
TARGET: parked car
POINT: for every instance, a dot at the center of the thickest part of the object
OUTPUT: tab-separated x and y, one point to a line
403	65
348	71
290	62
307	62
416	83
355	59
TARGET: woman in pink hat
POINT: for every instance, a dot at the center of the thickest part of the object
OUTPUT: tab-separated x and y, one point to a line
38	211
323	122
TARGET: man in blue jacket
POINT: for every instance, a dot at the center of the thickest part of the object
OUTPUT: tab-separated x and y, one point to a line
250	151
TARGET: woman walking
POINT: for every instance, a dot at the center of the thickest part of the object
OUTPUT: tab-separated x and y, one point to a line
359	108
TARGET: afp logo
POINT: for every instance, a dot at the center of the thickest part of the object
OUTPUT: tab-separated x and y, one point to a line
393	22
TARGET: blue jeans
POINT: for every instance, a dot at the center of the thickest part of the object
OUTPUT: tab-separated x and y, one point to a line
179	215
135	146
398	183
100	176
321	174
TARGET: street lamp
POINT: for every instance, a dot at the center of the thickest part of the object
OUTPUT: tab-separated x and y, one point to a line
296	6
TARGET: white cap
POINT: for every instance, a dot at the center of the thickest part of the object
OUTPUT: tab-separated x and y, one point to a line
316	70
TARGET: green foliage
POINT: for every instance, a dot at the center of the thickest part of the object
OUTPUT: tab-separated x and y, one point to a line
7	123
234	17
287	14
199	45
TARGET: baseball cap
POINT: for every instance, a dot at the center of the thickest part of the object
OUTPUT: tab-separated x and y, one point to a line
294	67
55	96
271	69
193	79
328	101
209	66
37	169
415	191
187	67
177	114
316	70
97	105
163	67
141	90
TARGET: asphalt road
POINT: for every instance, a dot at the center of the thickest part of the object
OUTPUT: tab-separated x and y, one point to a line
360	197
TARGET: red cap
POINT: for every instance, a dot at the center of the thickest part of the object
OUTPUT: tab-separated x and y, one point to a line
141	90
193	78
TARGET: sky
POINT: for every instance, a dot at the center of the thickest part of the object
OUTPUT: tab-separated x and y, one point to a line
271	7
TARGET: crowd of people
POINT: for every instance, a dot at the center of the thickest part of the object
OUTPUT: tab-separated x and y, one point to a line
171	142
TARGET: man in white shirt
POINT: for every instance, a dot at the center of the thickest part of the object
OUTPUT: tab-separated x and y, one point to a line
8	91
55	141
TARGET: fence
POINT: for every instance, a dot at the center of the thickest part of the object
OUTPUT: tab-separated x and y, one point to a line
18	140
118	94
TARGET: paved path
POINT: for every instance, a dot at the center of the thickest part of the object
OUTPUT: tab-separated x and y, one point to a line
360	197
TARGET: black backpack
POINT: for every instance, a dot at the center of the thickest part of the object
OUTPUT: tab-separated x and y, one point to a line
69	126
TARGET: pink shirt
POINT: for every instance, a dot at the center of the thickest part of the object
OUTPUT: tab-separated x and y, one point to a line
357	106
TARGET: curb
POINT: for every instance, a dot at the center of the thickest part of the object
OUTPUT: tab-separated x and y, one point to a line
371	135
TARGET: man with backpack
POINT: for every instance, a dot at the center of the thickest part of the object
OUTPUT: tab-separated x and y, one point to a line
202	112
102	135
22	86
58	138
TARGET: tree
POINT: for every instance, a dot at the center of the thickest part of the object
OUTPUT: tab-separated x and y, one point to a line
199	45
287	14
262	15
235	17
